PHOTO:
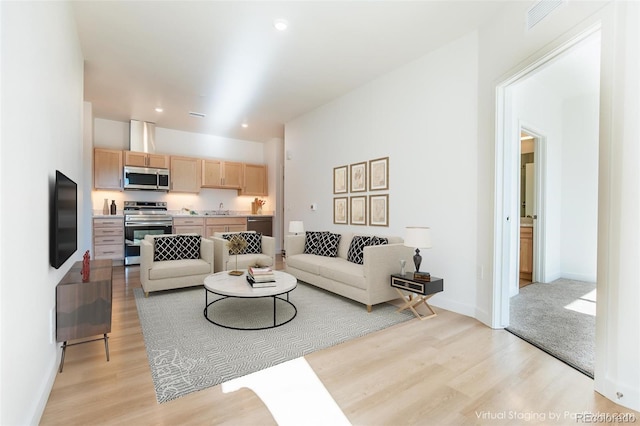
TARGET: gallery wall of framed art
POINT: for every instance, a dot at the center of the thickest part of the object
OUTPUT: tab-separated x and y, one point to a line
358	179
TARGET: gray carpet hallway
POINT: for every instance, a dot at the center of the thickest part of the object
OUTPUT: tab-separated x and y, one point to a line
552	317
187	353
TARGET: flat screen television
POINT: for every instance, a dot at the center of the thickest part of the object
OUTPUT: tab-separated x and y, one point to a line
63	241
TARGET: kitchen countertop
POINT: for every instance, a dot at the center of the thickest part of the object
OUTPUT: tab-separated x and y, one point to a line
239	214
120	215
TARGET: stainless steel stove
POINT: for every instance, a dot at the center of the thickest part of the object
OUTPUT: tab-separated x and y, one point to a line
143	218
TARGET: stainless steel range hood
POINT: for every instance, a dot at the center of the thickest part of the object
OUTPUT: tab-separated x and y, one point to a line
142	136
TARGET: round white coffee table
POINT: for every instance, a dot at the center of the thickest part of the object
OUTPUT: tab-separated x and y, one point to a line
230	286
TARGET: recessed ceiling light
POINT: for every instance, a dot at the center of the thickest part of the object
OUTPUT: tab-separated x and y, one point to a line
244	125
159	109
280	24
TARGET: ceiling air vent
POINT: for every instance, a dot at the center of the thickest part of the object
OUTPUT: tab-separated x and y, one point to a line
540	10
197	114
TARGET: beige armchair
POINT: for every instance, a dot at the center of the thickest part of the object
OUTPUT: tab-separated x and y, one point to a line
182	269
223	261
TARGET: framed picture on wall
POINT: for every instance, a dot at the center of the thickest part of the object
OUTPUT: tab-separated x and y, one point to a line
358	177
341	211
358	210
340	180
379	210
379	174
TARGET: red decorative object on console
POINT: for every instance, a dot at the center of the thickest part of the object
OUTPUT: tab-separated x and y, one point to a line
85	266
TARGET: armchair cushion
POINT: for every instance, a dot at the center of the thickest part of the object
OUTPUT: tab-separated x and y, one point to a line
176	247
223	260
179	268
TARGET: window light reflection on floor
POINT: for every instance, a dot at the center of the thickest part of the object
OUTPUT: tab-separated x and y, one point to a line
293	394
585	304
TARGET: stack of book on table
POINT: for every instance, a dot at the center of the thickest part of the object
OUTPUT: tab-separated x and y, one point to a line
261	277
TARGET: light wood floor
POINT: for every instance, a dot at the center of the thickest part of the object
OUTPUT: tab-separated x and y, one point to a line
450	369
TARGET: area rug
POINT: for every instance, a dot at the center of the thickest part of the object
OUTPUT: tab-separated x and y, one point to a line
187	353
558	318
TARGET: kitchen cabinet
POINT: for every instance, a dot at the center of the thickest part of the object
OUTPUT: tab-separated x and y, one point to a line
225	224
188	225
526	252
255	180
222	174
107	169
185	174
108	238
143	159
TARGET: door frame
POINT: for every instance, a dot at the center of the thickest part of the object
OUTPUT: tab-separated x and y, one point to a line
505	252
539	227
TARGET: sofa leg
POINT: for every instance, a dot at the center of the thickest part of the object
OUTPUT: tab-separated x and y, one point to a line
146	294
369	308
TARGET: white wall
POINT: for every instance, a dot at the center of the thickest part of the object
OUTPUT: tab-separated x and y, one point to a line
423	117
617	371
274	157
579	238
115	135
42	109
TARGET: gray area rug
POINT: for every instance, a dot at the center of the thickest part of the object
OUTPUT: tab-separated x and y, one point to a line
542	315
187	353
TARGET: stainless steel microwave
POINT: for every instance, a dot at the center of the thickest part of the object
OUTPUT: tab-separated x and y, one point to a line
146	178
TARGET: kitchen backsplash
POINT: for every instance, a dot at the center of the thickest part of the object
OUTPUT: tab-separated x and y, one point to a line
206	200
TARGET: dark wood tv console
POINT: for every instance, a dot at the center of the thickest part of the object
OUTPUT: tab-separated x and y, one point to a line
83	309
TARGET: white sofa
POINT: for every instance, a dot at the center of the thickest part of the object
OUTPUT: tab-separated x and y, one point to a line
156	275
368	283
223	261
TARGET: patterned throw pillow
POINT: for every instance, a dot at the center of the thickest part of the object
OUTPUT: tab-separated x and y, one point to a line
328	244
378	241
254	242
176	247
358	243
311	242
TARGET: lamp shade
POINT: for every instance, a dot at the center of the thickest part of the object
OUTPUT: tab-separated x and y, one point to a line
296	226
417	237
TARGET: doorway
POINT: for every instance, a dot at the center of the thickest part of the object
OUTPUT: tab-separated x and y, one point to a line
528	207
539	101
549	196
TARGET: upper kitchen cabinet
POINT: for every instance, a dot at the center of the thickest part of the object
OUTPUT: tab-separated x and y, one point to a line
143	159
107	169
185	174
255	180
221	174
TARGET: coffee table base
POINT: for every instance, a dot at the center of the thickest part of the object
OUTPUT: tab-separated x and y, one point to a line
275	323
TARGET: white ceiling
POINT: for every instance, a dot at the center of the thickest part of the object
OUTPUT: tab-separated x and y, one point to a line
226	60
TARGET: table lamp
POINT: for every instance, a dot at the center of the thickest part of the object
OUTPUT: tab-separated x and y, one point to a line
296	227
417	237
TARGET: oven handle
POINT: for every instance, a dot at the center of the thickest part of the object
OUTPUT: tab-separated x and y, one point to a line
140	224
